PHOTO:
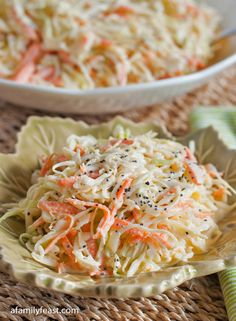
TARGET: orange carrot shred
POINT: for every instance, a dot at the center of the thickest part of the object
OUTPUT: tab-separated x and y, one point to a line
86	227
155	239
68	247
119	224
67	182
126	184
25	73
55	207
136	214
72	235
58	236
123	11
37	223
127	141
189	155
79	148
48	163
92	247
191	174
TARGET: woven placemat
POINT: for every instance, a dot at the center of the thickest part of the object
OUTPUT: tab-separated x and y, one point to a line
196	300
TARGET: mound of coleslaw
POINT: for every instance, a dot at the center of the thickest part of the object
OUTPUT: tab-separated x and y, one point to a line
89	44
123	205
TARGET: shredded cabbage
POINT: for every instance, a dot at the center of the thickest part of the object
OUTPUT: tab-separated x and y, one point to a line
89	44
123	205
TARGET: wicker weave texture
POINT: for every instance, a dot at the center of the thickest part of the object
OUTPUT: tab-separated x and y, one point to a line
196	300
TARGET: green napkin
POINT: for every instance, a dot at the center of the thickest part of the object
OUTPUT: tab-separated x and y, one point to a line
224	120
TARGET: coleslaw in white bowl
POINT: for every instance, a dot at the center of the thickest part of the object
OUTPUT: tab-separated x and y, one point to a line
121	78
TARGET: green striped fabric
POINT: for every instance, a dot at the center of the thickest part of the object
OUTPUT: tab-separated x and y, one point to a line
228	286
224	120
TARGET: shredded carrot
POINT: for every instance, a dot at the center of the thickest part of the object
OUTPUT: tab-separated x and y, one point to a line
137	235
171	190
92	247
86	227
107	146
58	82
123	11
191	174
119	224
212	174
65	57
130	218
189	154
67	182
196	63
32	54
60	158
127	141
72	235
136	214
37	223
161	238
126	184
59	235
133	239
106	218
24	74
163	227
48	163
103	270
68	247
114	141
165	76
105	43
54	207
79	148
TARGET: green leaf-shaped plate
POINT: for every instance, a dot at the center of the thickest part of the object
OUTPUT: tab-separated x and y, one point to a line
45	135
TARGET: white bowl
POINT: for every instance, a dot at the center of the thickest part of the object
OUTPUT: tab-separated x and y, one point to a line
114	99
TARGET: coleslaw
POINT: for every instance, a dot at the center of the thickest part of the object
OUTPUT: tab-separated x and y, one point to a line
88	44
121	206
